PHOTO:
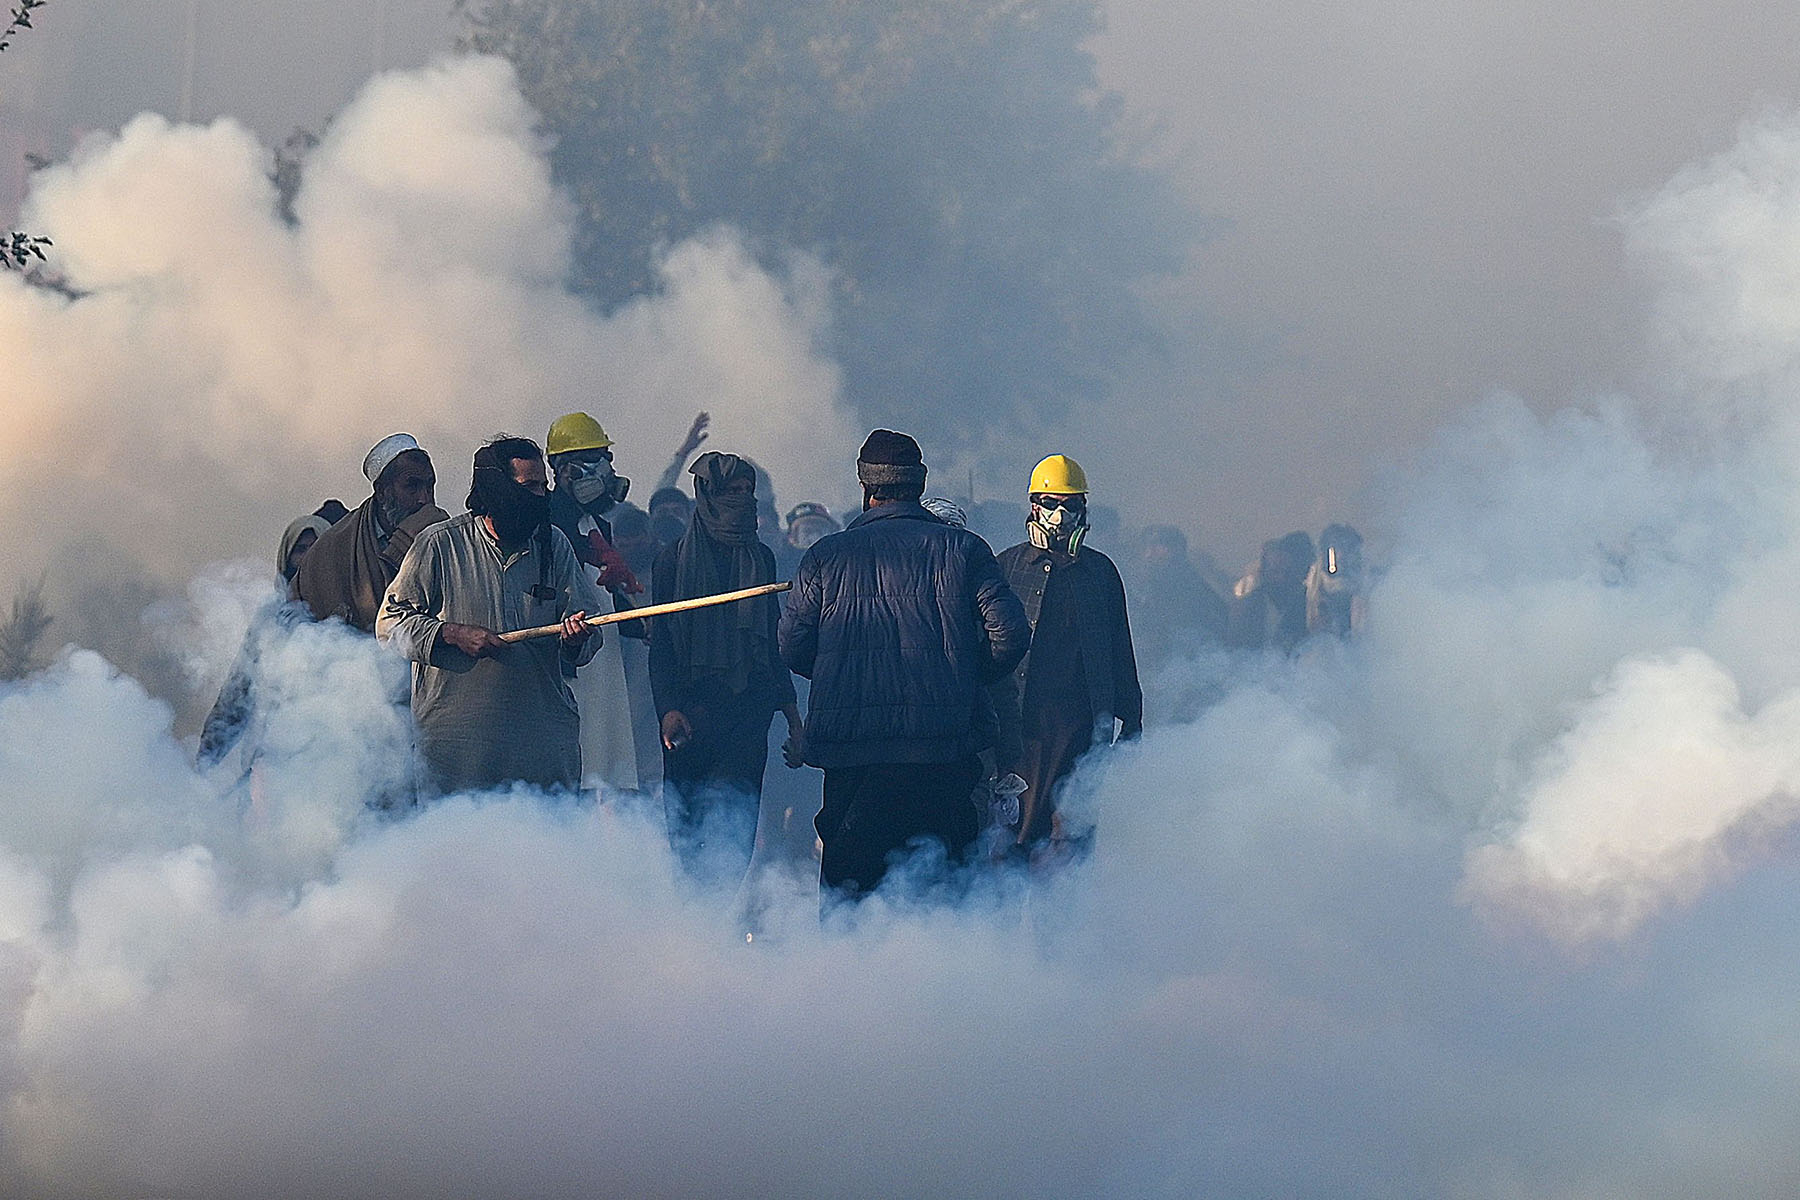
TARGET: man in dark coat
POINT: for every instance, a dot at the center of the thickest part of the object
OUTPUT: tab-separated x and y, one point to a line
899	621
1079	684
717	676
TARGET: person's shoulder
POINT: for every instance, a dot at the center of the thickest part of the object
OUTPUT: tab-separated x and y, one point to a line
1100	561
1014	553
1104	568
445	530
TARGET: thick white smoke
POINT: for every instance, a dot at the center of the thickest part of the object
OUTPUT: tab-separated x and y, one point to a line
1296	965
223	371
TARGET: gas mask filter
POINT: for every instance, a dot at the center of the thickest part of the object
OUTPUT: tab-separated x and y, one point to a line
1058	522
595	485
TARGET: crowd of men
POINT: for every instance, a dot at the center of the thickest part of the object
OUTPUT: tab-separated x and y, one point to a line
949	693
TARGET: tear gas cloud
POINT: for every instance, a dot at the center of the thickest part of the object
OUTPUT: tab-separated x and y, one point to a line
224	372
1489	903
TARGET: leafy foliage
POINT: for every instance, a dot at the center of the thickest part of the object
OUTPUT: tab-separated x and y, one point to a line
21	632
21	20
952	161
18	249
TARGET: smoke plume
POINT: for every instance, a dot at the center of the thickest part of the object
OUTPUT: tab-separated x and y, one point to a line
220	372
1491	902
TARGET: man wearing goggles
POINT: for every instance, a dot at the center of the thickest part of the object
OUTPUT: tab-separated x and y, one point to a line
1078	686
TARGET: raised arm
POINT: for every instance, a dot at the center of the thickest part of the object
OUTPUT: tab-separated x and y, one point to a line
696	434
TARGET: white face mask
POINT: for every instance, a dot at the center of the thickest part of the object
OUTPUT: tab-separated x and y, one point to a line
1057	526
596	485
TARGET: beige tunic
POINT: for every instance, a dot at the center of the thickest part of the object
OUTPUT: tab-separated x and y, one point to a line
486	722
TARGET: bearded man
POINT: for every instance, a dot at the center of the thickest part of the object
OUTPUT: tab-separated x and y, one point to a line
347	571
492	712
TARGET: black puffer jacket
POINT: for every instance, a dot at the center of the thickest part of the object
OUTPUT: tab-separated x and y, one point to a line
899	621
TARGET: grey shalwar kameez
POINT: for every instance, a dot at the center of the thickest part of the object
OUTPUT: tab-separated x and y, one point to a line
485	722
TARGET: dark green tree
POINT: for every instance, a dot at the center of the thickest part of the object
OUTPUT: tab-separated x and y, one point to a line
953	161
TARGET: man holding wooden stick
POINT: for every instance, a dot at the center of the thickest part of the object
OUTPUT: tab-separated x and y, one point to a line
493	710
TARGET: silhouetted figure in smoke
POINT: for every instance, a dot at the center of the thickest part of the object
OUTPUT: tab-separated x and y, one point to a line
1174	610
332	511
717	674
899	621
670	511
491	712
768	519
234	711
633	539
348	571
1080	676
1268	606
1335	602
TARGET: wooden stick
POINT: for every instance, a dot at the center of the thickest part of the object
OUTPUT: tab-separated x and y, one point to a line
654	610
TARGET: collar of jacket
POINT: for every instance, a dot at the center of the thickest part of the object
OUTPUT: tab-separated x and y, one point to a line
899	510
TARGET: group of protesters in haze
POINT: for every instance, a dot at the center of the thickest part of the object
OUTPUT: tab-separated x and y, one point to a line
949	693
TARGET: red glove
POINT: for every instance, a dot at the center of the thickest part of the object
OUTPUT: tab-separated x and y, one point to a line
615	576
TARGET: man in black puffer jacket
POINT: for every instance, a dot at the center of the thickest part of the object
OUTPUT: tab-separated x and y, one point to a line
900	621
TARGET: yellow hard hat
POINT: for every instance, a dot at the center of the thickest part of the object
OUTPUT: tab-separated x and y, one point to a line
575	431
1059	475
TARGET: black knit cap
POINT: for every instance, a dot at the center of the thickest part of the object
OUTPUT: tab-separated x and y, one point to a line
889	459
891	449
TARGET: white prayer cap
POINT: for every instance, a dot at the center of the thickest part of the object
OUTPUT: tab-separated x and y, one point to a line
947	511
386	451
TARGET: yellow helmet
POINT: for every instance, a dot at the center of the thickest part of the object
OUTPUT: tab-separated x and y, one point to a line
575	431
1059	475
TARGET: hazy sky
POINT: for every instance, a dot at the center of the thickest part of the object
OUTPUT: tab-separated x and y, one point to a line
1410	203
1416	199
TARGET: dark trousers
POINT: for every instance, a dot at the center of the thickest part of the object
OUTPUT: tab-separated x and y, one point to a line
875	815
712	789
1048	759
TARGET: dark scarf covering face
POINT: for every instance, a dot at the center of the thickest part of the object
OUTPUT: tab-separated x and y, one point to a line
720	553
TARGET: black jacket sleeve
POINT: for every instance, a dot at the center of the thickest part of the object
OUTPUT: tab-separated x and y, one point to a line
798	633
1002	616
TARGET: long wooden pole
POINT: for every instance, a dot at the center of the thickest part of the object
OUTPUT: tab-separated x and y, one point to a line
654	610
